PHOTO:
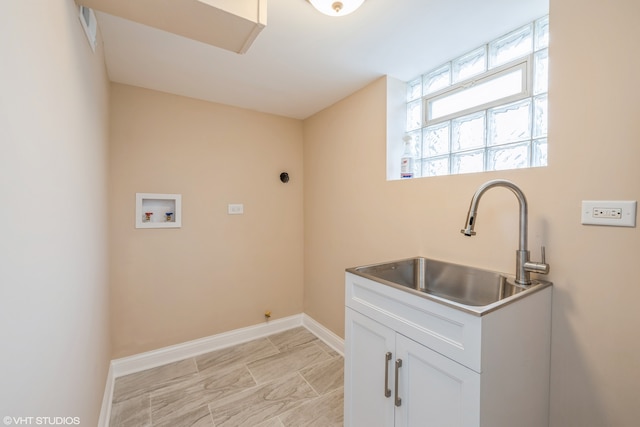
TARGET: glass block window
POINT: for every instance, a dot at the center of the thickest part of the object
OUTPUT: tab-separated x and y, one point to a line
485	110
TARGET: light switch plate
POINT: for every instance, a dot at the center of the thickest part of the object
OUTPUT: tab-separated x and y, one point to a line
617	213
235	209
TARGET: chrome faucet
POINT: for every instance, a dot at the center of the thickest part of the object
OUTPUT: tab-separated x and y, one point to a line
523	265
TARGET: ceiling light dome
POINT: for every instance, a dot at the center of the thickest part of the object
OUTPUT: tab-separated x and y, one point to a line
336	7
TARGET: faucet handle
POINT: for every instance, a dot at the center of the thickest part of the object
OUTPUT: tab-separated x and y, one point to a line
538	267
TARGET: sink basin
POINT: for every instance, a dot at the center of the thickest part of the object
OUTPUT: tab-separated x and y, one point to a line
471	289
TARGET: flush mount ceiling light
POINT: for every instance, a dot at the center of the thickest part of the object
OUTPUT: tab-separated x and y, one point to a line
336	7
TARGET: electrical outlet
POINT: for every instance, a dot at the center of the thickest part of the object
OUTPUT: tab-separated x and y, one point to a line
607	213
620	213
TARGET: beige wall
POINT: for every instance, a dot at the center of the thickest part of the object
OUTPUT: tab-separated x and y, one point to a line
218	272
353	216
54	325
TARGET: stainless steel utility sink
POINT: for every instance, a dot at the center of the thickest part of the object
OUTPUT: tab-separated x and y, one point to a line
470	289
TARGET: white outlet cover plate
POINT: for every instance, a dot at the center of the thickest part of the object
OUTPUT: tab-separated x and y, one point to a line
235	209
627	207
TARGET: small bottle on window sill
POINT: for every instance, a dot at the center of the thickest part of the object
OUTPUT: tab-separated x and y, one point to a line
407	161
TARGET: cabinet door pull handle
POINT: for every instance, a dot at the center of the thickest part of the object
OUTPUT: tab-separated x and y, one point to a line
387	390
398	366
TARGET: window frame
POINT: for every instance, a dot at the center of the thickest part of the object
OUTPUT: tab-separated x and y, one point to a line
524	63
454	153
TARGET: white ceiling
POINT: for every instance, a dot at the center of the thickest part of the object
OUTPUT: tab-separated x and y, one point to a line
303	61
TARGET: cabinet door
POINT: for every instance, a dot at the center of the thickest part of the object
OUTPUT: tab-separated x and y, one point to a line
367	343
434	390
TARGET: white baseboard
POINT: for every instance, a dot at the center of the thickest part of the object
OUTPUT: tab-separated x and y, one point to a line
174	353
107	398
331	339
152	359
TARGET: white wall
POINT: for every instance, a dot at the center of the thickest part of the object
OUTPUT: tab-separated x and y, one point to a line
53	242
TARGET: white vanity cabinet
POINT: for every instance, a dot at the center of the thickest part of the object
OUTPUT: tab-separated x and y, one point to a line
414	362
430	386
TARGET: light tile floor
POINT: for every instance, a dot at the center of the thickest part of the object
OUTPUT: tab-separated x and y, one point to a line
286	379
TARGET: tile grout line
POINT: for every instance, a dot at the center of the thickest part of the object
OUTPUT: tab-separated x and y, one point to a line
211	415
309	384
246	365
150	419
196	364
297	407
325	351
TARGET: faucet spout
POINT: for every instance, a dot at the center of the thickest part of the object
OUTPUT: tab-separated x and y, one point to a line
523	265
